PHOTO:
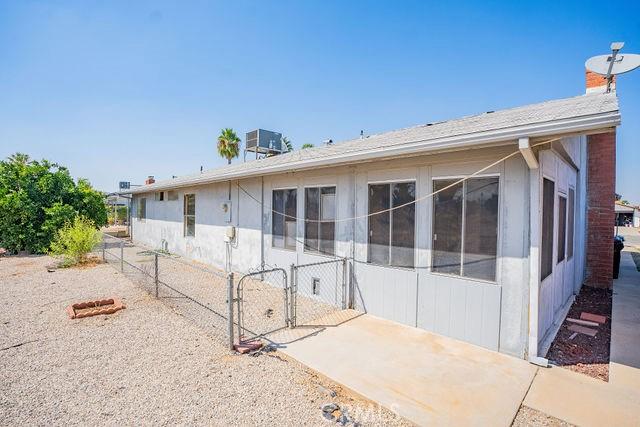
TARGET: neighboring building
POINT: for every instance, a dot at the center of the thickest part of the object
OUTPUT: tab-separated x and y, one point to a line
627	215
495	261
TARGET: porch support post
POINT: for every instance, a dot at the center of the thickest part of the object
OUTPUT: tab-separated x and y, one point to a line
535	218
527	153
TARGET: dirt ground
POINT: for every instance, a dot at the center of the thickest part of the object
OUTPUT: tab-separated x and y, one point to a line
585	354
145	364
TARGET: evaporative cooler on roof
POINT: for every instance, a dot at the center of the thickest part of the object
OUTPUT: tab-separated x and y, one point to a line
262	141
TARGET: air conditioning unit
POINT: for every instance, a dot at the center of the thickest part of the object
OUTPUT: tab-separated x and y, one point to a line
264	141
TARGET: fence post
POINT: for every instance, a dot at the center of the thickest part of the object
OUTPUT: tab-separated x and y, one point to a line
344	283
230	308
156	272
104	250
122	256
292	295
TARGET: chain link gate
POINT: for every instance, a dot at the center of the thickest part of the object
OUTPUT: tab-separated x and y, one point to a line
262	301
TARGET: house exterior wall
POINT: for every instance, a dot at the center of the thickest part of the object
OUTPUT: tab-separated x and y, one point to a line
491	314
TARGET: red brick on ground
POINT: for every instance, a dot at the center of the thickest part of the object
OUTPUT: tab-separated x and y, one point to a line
593	317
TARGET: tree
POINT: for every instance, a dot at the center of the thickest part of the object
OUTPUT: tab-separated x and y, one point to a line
287	143
37	198
228	144
307	145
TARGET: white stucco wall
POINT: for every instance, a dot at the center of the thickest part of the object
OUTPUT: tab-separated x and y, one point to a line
494	315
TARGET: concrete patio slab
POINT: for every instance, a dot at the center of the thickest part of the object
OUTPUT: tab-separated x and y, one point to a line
426	378
582	400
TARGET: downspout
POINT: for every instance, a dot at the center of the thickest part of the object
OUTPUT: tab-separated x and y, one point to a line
534	260
262	222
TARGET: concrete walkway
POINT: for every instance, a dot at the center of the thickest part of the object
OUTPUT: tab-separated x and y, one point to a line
434	380
426	378
585	401
625	326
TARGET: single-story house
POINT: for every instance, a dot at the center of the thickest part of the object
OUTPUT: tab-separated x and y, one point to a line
494	260
627	215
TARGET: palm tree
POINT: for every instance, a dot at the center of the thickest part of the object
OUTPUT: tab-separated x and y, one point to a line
307	145
228	144
287	143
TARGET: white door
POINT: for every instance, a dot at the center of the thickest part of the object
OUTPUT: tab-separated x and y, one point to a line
560	253
557	266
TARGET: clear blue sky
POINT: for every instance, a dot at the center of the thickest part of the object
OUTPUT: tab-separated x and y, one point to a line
121	90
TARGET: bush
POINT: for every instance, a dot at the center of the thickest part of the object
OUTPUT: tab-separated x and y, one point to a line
74	241
37	198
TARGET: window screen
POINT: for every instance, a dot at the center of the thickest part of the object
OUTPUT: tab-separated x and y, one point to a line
190	215
465	227
160	196
481	228
447	227
562	226
319	228
283	219
570	222
392	232
546	256
142	208
172	195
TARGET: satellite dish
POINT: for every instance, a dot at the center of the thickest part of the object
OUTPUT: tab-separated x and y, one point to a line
622	63
610	65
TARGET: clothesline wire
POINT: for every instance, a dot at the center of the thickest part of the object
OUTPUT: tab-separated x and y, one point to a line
433	193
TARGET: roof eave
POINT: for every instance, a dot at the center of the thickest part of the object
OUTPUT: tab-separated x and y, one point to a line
582	124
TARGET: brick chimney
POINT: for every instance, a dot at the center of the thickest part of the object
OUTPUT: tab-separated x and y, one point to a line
597	83
149	180
601	185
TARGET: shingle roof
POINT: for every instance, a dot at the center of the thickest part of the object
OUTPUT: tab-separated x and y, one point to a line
543	117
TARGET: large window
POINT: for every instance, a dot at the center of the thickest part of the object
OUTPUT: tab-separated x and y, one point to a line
562	227
320	215
570	222
142	208
546	255
283	219
392	232
189	215
465	227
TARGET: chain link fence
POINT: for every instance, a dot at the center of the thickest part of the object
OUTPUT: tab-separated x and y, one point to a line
317	290
195	291
236	308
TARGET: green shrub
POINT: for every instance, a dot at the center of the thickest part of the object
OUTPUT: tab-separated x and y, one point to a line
74	241
37	198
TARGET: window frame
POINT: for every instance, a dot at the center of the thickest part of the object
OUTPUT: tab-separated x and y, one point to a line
390	183
305	247
498	275
553	227
284	235
174	193
185	215
571	222
139	209
565	197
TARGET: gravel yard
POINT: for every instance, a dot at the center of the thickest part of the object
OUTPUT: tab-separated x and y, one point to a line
143	365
